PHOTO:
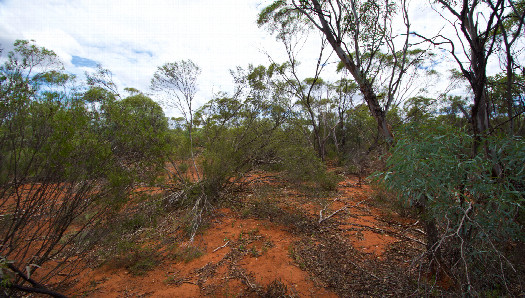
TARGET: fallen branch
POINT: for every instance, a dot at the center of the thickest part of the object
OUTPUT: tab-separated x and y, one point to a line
36	290
247	281
221	246
36	287
321	218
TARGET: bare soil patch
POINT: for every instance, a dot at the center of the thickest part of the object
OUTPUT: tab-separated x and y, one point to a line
274	244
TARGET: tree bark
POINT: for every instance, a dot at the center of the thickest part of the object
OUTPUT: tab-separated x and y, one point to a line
364	85
477	74
432	236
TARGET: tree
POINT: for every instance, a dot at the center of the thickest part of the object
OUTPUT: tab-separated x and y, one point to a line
469	201
102	78
359	32
318	107
507	115
138	133
178	82
509	31
475	24
47	153
255	129
63	170
343	99
469	217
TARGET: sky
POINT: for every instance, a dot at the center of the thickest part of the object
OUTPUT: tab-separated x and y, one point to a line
132	38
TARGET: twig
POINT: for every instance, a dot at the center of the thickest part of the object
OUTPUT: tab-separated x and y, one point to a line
321	219
420	231
189	282
221	246
322	210
412	239
252	286
383	231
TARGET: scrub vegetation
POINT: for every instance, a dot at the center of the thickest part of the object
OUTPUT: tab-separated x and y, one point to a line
91	176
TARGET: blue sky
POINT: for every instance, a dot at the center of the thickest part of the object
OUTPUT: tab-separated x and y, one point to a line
83	62
133	37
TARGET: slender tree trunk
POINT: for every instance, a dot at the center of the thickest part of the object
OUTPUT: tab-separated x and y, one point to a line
375	109
432	236
190	135
364	84
480	110
318	143
342	138
368	93
508	95
480	119
477	76
336	141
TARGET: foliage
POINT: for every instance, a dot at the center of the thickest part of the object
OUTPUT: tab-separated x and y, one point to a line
477	214
136	259
363	36
178	82
238	137
299	161
235	140
67	161
188	254
507	115
138	133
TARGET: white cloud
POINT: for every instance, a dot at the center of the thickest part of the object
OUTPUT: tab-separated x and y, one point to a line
132	37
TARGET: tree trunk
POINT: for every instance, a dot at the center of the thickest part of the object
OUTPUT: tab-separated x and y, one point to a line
376	110
480	109
508	95
480	126
480	119
364	85
432	236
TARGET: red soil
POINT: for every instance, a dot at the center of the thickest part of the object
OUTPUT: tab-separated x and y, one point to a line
220	271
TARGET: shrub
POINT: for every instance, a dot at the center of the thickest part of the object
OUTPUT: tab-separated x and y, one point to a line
136	259
188	254
470	215
63	171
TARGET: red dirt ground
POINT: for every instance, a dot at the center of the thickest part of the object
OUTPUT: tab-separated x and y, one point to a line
244	255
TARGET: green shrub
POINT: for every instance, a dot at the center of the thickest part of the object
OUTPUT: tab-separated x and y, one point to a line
68	161
183	168
136	259
329	181
188	254
432	169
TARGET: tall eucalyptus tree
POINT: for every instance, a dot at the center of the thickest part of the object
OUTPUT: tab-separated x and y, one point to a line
362	34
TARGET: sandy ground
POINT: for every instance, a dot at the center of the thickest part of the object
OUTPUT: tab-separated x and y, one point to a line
254	256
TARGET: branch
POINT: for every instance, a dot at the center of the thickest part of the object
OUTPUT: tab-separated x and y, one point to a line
37	290
221	246
321	218
37	287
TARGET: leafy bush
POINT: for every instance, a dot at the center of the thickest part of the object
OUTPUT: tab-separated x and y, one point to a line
188	254
65	162
475	216
138	260
138	133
